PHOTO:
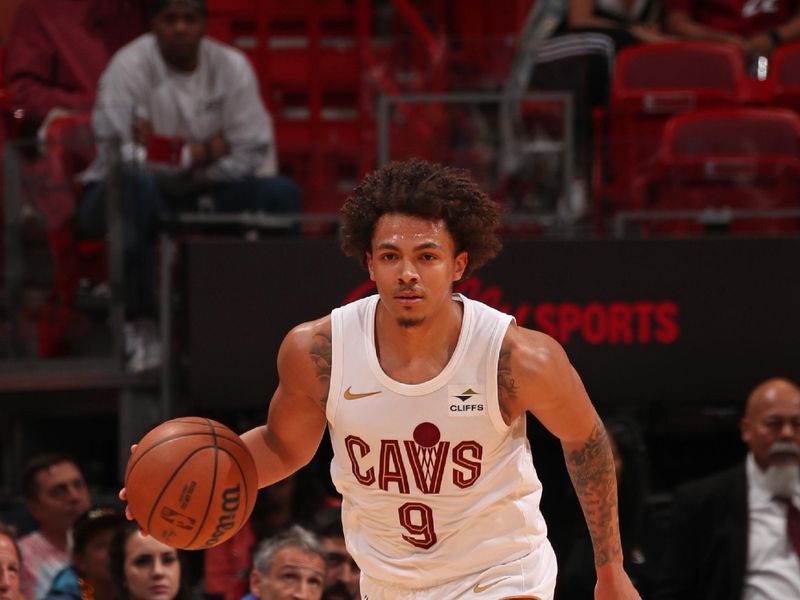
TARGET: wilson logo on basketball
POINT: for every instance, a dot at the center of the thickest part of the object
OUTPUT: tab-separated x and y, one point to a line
231	499
426	458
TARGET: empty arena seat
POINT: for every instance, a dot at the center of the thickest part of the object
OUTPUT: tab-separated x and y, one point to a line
53	190
652	82
783	81
719	162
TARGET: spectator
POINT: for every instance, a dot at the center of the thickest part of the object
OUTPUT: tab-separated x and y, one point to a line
194	134
56	495
88	576
728	536
56	51
10	564
294	500
227	567
579	59
755	26
630	463
289	566
343	574
143	568
626	22
58	48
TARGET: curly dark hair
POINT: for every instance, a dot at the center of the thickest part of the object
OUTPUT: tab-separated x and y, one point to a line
431	191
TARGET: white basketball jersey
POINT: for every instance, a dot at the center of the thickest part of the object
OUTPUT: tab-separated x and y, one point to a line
436	486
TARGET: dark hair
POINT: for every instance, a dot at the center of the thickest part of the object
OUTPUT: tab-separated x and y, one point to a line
156	6
11	534
430	191
37	464
116	563
328	523
92	522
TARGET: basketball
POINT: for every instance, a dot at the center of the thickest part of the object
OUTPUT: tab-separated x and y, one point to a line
191	483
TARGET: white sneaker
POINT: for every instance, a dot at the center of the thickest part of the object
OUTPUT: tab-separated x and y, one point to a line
143	346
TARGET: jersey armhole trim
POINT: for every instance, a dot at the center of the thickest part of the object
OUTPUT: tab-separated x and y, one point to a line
334	389
495	344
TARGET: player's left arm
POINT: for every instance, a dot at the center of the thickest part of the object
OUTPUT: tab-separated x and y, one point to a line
534	374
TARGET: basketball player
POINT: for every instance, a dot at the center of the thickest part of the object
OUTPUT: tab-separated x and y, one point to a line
424	393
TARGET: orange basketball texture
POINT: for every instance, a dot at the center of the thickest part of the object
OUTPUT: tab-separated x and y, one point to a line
191	483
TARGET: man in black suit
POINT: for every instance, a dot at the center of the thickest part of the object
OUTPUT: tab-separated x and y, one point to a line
729	532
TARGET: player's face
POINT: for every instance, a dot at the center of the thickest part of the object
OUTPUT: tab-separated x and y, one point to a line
152	569
179	31
771	427
342	578
9	569
93	563
294	575
413	263
62	496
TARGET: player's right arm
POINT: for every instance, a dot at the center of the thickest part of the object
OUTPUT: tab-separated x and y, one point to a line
296	419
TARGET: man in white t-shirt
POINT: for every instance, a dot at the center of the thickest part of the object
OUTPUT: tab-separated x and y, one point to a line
193	134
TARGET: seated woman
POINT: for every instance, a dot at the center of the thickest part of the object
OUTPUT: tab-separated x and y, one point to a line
579	59
143	568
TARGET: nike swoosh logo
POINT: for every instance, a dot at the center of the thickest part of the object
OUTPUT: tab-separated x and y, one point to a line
478	589
348	395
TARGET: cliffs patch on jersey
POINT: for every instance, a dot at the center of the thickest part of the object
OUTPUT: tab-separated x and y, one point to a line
465	400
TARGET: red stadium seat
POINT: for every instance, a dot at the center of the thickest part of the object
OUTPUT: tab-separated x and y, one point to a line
652	82
54	191
719	161
783	81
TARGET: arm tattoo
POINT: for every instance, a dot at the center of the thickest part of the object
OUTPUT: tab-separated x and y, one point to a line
321	352
321	355
506	386
591	469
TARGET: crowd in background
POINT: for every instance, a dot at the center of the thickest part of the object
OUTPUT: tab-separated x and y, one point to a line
733	534
292	547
